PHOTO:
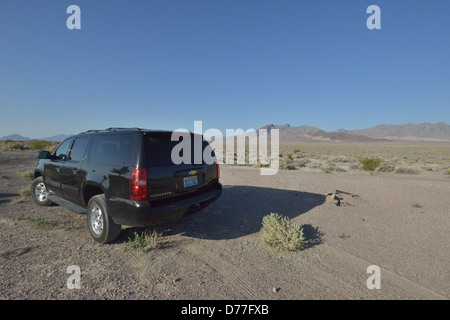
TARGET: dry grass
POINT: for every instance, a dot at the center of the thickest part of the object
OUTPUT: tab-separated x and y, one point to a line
38	145
146	241
404	158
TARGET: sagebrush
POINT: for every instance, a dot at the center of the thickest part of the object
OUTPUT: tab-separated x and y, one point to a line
281	234
145	241
370	163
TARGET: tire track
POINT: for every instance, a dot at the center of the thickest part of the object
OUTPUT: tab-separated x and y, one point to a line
388	277
330	287
141	266
232	274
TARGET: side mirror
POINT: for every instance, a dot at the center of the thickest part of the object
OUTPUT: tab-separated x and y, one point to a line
44	155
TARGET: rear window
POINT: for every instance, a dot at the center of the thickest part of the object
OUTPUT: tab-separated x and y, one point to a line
116	149
159	146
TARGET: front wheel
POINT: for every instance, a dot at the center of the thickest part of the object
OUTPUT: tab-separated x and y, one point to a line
39	192
102	228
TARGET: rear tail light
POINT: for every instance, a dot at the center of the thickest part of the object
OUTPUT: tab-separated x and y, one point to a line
138	184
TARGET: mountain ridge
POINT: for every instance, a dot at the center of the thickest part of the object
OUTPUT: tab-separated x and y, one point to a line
439	131
383	132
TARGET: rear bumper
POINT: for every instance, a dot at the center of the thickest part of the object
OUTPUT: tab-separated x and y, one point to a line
142	214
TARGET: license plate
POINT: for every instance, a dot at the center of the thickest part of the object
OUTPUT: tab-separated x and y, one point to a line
190	181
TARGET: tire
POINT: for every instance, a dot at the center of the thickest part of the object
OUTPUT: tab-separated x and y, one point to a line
39	192
102	228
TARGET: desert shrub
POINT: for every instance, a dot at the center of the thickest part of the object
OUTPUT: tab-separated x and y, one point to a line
343	235
13	146
405	170
370	163
145	241
38	144
287	165
27	175
280	234
39	220
315	165
262	165
386	167
302	162
25	192
343	159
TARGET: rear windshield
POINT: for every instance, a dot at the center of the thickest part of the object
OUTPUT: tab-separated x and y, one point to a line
159	146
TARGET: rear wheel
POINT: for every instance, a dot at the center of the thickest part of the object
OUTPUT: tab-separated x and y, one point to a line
39	192
102	228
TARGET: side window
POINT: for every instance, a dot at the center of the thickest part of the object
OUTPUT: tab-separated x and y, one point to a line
114	149
78	149
63	150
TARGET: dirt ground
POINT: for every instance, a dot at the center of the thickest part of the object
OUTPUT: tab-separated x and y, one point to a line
400	223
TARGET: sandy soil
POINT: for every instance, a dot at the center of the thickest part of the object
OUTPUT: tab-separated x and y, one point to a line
399	223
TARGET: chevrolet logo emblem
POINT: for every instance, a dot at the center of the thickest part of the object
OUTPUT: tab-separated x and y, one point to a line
192	172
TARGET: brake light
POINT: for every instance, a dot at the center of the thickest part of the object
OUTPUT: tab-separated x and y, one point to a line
138	184
218	172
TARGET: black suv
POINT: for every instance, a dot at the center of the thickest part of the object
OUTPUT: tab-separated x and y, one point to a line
126	176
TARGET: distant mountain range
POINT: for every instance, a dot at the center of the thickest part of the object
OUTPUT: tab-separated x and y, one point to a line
18	137
423	131
384	132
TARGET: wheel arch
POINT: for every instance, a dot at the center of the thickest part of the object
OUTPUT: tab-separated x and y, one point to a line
90	190
37	174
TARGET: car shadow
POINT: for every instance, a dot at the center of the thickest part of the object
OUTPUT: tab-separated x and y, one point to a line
7	195
239	212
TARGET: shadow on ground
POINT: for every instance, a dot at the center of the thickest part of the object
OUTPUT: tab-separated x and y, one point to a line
239	212
7	195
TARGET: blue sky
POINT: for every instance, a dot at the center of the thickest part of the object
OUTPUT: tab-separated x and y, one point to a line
162	64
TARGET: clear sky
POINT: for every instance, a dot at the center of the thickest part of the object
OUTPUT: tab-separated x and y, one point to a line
162	64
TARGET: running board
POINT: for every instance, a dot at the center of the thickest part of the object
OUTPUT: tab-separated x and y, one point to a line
67	204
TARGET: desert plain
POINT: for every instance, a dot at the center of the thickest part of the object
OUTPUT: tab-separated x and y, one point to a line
395	217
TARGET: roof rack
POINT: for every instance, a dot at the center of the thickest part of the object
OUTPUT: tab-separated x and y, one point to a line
116	128
111	129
